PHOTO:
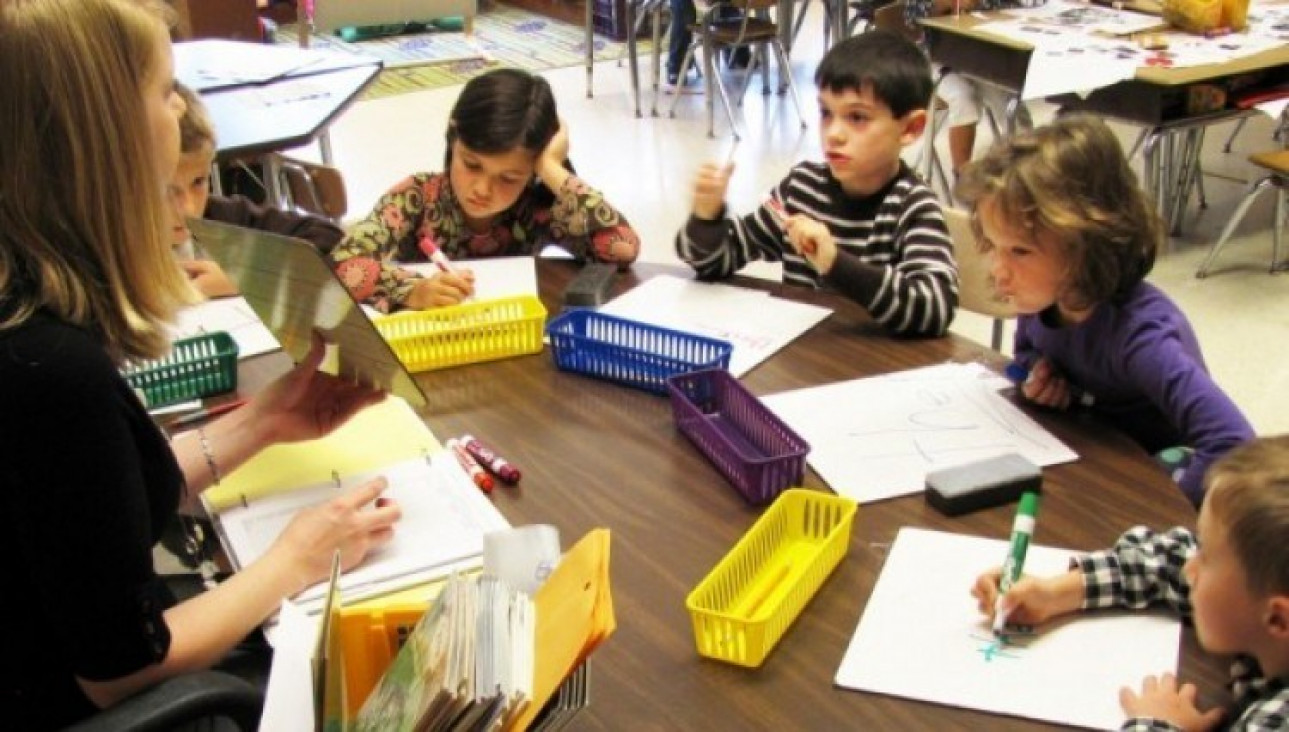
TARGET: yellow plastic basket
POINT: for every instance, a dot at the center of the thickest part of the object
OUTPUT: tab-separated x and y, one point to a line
425	340
749	600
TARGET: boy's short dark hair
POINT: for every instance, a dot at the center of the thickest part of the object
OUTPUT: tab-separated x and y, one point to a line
896	70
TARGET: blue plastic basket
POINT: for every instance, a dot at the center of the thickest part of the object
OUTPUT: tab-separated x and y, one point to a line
630	352
759	454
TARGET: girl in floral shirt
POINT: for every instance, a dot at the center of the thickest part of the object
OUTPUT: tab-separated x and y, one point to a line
509	190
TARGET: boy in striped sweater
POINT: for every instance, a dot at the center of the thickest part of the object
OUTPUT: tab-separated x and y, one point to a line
861	223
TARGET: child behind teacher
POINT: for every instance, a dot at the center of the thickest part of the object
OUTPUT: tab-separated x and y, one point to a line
190	198
1231	578
508	190
1072	237
861	222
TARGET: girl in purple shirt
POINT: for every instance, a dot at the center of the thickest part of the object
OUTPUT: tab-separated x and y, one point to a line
1072	237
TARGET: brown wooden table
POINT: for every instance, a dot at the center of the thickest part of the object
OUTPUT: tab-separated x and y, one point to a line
594	453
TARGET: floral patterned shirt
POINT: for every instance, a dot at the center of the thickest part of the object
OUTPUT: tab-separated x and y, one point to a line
423	206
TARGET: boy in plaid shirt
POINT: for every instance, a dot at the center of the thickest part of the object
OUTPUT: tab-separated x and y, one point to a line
1230	578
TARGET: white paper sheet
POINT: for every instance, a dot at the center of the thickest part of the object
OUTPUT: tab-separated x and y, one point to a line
288	702
494	277
231	314
756	324
877	438
922	637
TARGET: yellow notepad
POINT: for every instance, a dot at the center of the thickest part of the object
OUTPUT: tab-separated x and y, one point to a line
386	433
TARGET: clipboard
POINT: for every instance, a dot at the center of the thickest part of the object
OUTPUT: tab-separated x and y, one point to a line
291	287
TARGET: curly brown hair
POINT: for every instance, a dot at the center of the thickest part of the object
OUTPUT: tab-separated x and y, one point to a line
1070	179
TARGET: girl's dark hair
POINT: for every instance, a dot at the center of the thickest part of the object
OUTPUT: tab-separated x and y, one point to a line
1071	179
501	110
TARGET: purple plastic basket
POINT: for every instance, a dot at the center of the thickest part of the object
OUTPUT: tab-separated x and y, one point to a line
751	446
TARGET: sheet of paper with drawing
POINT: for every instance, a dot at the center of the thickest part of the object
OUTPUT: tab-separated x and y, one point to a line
878	437
754	322
230	314
292	288
922	637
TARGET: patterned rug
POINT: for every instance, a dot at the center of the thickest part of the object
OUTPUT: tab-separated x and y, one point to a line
503	36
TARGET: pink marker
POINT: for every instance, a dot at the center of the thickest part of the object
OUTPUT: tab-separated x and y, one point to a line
491	460
435	255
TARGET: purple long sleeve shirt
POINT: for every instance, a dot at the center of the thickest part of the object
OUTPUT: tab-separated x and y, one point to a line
1141	362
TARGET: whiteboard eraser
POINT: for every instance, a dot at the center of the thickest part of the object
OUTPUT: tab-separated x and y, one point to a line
982	484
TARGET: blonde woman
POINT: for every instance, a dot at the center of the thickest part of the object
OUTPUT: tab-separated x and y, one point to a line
88	137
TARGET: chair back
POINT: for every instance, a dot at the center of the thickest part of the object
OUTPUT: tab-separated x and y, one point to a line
891	18
314	188
975	289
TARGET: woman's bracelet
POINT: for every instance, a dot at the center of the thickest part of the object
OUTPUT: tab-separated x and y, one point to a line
210	456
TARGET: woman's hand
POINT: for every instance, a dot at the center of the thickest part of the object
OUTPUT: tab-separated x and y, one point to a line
1046	387
209	278
811	240
709	190
1031	600
353	524
443	289
305	403
1161	698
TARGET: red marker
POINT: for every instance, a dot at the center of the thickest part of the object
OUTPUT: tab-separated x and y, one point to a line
477	474
490	460
776	209
207	413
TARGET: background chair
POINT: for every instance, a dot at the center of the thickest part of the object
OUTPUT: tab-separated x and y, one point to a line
857	12
203	700
754	30
637	11
1277	166
976	292
311	187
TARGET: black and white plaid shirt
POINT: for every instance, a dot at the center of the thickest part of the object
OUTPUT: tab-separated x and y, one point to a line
1144	568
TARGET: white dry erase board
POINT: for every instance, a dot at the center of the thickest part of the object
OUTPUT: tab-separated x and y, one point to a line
293	289
922	637
877	437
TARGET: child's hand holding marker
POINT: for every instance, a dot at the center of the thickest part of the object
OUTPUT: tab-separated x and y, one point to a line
1030	600
807	237
1044	386
451	286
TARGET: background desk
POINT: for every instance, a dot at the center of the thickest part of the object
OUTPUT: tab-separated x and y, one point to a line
1155	99
597	454
289	111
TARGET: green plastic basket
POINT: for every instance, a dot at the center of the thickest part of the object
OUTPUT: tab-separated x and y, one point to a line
197	367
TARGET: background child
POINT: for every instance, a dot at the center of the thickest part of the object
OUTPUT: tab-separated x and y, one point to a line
1072	237
190	198
508	190
1231	580
862	222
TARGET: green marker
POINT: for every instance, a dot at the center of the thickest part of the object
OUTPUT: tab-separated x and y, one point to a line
1022	530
